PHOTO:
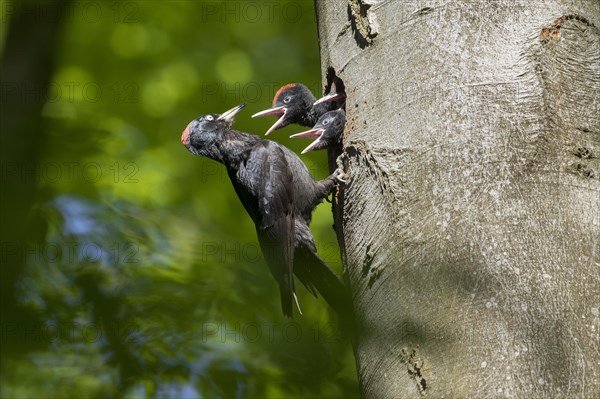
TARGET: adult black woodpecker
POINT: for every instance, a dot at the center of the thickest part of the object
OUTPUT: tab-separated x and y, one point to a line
294	103
279	194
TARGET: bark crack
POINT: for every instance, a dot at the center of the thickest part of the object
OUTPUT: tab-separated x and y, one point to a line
358	150
552	32
363	21
414	366
582	170
569	44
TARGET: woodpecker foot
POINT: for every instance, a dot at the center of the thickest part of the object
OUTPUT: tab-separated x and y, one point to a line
340	174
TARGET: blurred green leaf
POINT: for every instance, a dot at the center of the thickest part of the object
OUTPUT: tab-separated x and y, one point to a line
146	276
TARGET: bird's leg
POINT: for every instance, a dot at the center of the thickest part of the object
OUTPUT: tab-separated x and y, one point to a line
338	176
328	185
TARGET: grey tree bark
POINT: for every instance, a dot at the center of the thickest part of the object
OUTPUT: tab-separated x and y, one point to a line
471	223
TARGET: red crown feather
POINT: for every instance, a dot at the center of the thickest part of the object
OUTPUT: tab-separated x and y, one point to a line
185	134
282	89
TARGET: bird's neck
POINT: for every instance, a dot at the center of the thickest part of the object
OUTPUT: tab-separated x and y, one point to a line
233	148
313	115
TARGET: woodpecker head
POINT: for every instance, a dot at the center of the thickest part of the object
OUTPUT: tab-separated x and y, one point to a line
328	131
201	135
290	104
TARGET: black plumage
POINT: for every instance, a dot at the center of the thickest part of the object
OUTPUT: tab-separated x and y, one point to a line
294	103
279	194
328	132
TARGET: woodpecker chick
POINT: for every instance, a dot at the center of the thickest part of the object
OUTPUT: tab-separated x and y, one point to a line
279	194
327	132
294	103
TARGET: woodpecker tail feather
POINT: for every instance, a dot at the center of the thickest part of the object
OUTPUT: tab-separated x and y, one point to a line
305	278
287	294
297	303
308	267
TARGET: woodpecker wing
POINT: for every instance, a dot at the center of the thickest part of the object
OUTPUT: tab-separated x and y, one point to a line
265	177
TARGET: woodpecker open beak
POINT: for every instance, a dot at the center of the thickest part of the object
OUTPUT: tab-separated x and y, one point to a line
276	111
311	134
330	97
230	114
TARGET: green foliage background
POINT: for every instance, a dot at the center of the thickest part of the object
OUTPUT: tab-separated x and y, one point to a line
143	277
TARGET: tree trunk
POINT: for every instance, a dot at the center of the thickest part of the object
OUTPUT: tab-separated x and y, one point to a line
471	223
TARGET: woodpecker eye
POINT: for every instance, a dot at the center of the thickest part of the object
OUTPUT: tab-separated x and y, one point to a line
287	99
326	121
209	117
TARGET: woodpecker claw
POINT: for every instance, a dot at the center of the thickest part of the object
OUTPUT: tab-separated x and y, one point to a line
340	174
344	181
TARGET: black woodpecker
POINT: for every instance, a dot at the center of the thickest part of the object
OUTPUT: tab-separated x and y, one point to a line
279	194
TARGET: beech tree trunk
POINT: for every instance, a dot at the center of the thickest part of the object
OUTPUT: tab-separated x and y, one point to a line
471	222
